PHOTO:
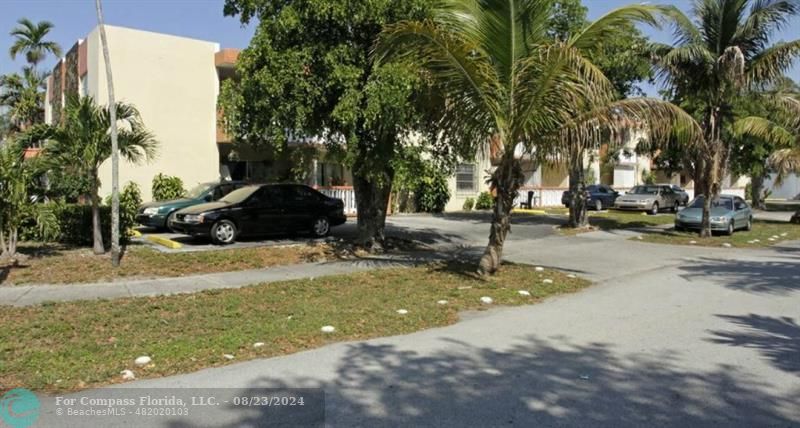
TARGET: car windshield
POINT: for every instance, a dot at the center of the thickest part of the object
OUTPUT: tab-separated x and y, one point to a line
199	190
726	203
645	190
238	196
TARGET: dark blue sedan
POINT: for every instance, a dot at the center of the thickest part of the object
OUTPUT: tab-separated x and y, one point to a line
598	196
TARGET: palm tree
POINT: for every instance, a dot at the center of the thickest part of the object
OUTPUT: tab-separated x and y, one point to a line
112	112
505	80
23	95
83	142
16	205
30	41
726	48
783	131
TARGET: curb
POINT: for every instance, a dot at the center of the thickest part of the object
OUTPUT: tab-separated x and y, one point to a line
521	211
164	242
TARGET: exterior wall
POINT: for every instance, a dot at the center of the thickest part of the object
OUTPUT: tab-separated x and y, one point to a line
789	189
173	83
457	198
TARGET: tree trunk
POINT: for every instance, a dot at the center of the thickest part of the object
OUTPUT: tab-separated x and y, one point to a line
112	109
577	188
506	181
372	201
97	227
3	248
756	190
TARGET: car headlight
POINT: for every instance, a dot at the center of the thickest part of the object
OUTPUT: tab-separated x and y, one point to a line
150	211
718	219
193	218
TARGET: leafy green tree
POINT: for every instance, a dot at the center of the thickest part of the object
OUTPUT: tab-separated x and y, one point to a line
16	205
308	73
726	48
623	55
82	143
506	80
23	96
30	40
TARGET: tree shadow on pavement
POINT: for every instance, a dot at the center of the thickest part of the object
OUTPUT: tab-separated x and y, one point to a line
534	383
777	277
777	339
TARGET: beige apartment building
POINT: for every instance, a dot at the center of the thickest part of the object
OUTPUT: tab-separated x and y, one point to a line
172	81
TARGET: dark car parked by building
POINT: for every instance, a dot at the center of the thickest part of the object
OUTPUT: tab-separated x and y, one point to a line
683	196
261	210
598	196
158	213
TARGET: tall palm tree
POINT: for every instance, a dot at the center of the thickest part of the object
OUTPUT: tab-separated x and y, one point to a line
23	95
505	80
83	143
723	49
112	111
30	41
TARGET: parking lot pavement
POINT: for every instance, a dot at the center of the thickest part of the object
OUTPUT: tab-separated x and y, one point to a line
436	230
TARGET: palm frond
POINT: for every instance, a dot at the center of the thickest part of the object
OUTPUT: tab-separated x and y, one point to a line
765	129
771	64
603	27
785	162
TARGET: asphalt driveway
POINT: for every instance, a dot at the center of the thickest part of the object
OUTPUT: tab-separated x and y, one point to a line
669	336
457	229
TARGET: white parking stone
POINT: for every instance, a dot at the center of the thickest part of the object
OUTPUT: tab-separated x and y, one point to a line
524	293
547	281
487	300
143	360
328	329
441	302
228	356
402	311
258	345
127	375
539	269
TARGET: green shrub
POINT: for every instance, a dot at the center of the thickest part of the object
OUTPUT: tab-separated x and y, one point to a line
432	194
166	188
130	199
485	201
469	203
75	224
649	177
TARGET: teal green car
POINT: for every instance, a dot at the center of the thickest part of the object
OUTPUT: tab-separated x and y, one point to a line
157	214
728	214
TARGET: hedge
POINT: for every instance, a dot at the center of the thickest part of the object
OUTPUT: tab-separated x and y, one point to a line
75	225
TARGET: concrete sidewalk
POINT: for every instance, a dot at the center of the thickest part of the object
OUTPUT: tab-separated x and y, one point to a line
37	294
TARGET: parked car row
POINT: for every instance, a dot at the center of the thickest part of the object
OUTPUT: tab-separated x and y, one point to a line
728	214
229	210
650	198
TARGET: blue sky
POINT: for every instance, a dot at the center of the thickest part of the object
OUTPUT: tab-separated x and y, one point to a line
201	19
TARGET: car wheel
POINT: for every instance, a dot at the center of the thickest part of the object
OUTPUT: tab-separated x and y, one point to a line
321	227
749	225
654	210
731	228
223	232
598	205
171	218
676	207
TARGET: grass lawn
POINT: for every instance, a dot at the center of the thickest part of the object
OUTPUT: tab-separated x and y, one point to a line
53	265
764	234
613	219
69	346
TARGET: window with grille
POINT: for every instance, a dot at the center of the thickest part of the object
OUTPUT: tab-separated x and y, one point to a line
465	178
